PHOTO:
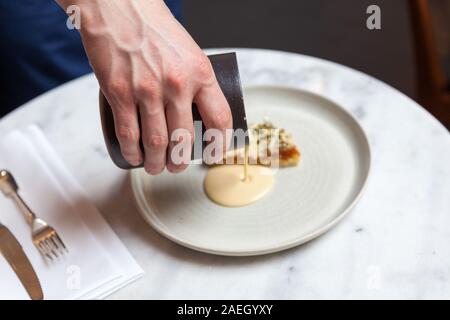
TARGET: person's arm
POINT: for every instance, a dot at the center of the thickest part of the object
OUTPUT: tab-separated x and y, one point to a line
147	63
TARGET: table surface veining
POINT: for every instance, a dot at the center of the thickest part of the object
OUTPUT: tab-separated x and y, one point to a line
395	243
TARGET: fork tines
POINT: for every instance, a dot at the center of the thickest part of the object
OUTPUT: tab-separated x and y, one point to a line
51	246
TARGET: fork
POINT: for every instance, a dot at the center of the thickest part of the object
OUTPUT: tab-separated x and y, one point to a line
45	238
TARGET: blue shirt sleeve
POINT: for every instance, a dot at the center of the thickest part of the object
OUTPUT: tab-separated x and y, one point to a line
37	50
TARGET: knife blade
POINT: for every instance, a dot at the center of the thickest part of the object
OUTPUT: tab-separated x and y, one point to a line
15	256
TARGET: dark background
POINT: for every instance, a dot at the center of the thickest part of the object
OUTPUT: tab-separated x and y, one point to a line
330	29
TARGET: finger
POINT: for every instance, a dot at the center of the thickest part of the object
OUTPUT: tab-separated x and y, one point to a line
127	131
213	107
154	135
181	132
215	111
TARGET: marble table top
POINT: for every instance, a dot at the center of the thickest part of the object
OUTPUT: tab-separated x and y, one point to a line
395	243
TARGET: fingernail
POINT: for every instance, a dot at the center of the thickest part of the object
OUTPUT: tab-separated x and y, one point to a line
153	171
135	162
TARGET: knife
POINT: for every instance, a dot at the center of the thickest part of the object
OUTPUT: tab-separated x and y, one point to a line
15	256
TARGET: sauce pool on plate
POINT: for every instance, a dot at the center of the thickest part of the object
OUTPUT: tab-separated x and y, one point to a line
236	185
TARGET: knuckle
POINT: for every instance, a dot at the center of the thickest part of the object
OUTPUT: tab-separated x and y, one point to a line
118	88
156	142
176	79
205	70
222	120
146	88
127	134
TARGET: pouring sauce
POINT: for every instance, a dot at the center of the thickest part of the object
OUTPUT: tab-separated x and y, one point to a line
238	185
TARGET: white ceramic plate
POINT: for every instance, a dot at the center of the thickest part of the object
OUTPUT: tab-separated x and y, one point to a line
305	201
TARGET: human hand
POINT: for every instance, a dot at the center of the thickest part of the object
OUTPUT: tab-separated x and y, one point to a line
148	65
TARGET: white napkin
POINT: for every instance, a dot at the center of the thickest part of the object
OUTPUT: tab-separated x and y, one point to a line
97	263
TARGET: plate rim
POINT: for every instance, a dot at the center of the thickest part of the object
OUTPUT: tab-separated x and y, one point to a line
136	183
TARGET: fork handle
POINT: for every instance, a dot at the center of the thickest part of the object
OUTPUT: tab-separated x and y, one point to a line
10	189
8	184
29	215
